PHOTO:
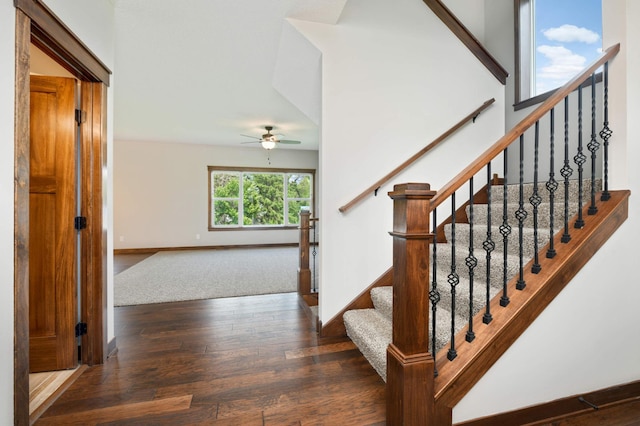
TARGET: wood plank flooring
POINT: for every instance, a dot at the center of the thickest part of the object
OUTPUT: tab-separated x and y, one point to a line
244	361
238	361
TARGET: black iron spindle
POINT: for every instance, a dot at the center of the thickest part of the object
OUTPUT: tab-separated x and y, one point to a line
605	134
593	146
521	215
535	199
579	159
314	253
566	172
505	230
434	294
552	185
488	245
471	262
453	279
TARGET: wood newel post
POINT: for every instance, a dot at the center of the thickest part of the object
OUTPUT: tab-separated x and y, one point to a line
304	273
410	366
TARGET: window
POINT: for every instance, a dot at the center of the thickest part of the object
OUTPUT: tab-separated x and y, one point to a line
242	198
555	40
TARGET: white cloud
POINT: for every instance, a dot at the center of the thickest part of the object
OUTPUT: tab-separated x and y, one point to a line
570	33
562	65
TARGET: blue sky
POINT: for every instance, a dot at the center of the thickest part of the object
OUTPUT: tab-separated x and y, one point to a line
568	37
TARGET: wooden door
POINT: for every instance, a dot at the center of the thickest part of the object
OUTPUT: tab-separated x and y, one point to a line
52	235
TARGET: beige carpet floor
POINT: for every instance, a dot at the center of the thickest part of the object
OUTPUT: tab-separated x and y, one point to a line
170	276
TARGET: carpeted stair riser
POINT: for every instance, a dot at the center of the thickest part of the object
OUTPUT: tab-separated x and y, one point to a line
480	212
371	329
513	192
444	261
480	235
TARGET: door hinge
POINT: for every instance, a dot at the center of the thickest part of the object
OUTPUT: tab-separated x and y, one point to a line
81	329
80	116
80	223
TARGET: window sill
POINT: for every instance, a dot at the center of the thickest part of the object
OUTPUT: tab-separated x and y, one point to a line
253	228
544	96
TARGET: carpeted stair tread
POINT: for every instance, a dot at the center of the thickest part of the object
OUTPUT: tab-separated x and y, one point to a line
371	331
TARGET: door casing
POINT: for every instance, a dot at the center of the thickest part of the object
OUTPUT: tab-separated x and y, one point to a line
36	23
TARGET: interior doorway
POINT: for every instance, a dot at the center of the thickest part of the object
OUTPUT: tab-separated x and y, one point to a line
36	24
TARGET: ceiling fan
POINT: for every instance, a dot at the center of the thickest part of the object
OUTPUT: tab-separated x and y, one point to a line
269	140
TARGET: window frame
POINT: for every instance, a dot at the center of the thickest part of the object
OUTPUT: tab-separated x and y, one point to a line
257	170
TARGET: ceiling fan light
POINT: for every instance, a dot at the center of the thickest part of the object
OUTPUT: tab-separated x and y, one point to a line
268	143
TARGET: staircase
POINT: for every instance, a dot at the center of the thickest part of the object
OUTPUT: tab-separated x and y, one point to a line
371	329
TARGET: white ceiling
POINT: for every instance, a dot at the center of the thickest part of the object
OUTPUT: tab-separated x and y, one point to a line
202	71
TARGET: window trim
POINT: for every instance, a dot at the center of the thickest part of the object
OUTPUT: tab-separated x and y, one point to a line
233	169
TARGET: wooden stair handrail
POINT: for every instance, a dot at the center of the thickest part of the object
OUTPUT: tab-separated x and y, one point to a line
465	36
417	155
454	184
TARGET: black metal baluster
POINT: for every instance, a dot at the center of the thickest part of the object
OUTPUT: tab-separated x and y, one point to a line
521	215
471	262
552	185
505	230
579	159
434	294
593	147
488	245
566	172
605	134
535	200
453	280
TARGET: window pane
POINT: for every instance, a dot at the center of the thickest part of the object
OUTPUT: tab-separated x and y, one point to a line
566	39
299	186
226	185
263	198
225	212
294	210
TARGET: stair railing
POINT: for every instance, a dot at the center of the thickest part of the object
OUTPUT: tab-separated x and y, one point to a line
374	188
411	368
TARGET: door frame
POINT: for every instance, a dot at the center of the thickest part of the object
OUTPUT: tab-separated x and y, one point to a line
36	23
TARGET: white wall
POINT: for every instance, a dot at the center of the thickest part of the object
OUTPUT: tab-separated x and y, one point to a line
160	192
7	81
394	78
583	340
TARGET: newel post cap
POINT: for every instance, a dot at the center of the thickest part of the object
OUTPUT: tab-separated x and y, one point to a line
412	190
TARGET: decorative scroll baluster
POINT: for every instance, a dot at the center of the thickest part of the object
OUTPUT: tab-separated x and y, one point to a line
505	230
579	159
471	262
434	294
488	245
593	146
314	253
521	215
605	134
566	172
453	279
552	185
535	200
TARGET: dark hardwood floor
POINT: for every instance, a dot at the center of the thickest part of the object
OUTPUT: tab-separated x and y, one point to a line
237	361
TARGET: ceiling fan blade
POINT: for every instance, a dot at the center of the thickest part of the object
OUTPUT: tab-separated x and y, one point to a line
248	136
285	141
